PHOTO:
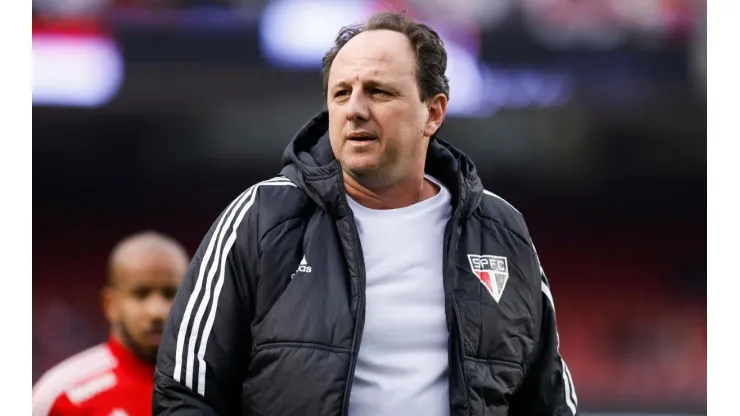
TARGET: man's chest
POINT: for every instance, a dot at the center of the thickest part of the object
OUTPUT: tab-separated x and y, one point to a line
402	361
404	291
403	285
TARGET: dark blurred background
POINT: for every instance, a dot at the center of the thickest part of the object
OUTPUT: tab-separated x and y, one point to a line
588	116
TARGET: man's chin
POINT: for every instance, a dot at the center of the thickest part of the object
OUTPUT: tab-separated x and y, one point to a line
362	172
144	348
149	355
146	353
361	167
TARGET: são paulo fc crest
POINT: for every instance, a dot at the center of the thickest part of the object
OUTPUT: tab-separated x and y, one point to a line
492	271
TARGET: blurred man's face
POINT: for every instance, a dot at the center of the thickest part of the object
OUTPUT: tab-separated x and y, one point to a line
378	125
138	303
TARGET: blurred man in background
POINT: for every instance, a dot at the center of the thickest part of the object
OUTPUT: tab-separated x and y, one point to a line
115	377
376	276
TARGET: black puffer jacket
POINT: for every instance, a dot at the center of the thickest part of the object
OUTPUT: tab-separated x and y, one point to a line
254	332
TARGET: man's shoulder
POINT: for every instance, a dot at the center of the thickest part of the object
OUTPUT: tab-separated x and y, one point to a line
495	208
276	191
276	194
265	205
78	378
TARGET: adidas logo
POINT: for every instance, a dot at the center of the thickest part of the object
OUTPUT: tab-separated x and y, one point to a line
303	267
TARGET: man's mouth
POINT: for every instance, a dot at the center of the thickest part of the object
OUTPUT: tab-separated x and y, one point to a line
154	337
361	136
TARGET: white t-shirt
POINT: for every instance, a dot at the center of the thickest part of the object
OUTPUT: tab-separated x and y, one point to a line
402	365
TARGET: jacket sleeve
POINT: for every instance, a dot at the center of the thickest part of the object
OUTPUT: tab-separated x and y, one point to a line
206	342
548	387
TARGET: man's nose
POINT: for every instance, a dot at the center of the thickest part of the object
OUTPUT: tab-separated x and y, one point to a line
158	307
357	107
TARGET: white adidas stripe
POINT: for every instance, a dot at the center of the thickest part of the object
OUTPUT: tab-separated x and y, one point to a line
218	264
190	363
572	386
569	387
220	283
185	323
489	193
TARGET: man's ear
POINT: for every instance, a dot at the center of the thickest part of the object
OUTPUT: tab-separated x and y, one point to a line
109	303
437	108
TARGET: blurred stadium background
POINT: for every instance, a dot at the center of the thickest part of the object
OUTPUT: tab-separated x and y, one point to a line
589	116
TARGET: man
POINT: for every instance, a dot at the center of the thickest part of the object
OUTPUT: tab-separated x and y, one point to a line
116	377
375	276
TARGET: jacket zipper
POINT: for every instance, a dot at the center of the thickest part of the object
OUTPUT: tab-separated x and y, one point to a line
450	254
360	318
454	235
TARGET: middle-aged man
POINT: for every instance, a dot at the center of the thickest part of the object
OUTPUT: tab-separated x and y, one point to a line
375	275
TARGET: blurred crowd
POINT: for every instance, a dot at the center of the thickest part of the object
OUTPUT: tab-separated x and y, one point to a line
596	20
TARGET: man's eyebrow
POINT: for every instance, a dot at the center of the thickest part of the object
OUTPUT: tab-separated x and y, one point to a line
379	84
342	83
371	83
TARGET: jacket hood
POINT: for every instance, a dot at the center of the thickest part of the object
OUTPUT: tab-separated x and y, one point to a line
310	163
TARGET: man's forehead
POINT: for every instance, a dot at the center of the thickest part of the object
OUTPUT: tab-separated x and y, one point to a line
385	50
148	279
154	269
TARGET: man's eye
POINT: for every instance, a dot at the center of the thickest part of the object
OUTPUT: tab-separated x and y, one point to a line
141	293
376	91
169	293
341	93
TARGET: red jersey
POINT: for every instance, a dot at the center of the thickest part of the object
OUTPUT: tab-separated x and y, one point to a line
105	380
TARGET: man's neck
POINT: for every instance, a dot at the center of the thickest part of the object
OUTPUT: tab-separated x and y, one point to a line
402	194
128	345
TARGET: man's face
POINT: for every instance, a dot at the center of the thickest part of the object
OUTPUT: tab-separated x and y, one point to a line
140	300
377	122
